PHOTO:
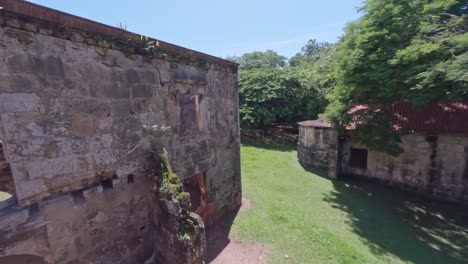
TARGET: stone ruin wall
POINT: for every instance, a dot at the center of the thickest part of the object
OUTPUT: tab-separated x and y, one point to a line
435	166
72	108
432	165
317	149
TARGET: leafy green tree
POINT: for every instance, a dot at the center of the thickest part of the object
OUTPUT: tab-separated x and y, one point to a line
260	60
310	52
399	50
277	96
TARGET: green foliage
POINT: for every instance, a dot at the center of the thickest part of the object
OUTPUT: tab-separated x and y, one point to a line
122	26
172	188
170	182
311	52
277	96
286	95
186	229
414	51
260	60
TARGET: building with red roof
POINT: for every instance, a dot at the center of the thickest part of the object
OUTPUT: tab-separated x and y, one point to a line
435	143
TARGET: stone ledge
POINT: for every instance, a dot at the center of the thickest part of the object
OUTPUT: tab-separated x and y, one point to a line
38	19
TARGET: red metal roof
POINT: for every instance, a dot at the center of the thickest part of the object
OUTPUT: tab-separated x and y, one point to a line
434	118
315	123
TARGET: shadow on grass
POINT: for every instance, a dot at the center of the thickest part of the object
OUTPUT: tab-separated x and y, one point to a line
394	222
276	146
317	172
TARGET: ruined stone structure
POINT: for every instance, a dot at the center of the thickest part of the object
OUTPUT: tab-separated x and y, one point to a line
317	147
434	162
74	98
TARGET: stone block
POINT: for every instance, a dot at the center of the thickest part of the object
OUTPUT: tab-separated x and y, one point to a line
83	125
50	65
67	146
164	70
114	90
30	27
26	63
13	219
102	141
132	77
150	77
17	83
50	168
75	36
19	102
142	90
45	31
105	158
23	125
27	190
14	23
26	149
103	44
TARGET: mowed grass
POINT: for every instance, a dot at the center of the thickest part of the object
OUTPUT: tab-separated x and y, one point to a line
302	217
4	196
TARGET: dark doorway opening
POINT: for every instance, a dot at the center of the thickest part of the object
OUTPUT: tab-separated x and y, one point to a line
358	158
195	186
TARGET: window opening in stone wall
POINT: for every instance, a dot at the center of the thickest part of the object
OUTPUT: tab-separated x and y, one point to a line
189	109
78	197
130	178
7	184
107	184
358	158
195	186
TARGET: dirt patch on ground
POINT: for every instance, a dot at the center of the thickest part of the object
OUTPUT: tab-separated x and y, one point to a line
223	248
236	252
246	204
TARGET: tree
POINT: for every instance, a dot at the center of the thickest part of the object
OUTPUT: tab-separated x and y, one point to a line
412	50
274	94
269	96
309	53
260	60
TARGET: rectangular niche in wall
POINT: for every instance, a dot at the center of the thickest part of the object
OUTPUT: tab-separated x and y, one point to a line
195	186
358	158
189	112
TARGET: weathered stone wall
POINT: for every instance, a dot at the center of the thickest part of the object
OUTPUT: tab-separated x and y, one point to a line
72	108
317	149
96	225
433	165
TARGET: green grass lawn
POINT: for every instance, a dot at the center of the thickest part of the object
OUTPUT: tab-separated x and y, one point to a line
312	219
4	196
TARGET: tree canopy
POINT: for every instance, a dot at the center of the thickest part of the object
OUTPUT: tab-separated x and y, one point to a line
260	60
413	50
310	52
273	92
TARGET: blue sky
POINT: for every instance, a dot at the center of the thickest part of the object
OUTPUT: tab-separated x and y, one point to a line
222	28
